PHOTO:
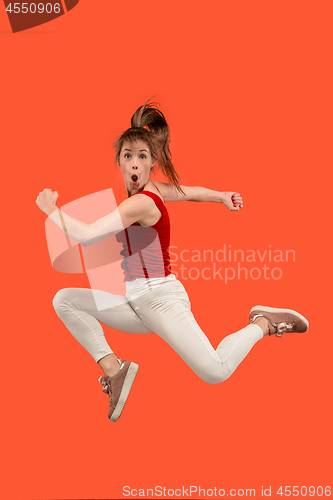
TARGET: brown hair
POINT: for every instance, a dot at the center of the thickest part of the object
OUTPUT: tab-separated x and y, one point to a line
149	124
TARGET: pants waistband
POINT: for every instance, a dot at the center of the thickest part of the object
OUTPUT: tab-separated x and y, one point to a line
140	286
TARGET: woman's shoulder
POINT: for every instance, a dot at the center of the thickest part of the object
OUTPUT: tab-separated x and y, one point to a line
169	192
158	214
152	194
133	208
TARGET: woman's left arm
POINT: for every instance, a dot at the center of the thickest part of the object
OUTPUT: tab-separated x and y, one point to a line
231	199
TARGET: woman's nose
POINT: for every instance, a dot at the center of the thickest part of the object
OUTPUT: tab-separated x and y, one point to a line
135	163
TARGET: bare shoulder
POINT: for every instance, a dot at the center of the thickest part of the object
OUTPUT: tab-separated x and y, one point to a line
134	208
170	193
135	203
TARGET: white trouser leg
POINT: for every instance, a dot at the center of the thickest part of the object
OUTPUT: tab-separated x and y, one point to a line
82	310
167	311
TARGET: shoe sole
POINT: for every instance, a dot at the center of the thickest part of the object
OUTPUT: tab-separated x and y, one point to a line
277	310
128	382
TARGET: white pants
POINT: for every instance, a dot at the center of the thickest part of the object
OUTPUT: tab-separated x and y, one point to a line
166	310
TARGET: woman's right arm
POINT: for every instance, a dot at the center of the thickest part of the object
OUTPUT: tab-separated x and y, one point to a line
129	211
88	234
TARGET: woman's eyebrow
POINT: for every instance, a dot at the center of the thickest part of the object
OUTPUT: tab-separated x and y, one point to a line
139	150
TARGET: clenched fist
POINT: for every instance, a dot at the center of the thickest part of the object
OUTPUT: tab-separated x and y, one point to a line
46	200
233	200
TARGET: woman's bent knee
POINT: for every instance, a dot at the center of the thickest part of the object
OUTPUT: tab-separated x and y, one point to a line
60	298
214	378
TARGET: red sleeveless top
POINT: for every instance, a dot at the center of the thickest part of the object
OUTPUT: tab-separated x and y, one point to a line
146	248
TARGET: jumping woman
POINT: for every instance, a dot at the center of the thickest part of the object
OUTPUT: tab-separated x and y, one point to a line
155	299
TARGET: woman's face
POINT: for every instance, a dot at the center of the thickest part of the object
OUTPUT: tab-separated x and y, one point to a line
136	163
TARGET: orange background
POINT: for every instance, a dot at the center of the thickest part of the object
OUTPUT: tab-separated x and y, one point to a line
246	87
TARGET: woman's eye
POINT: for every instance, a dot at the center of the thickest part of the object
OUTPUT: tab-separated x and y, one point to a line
143	156
127	156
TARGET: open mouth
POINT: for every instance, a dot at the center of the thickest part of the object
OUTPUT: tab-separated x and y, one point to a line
134	177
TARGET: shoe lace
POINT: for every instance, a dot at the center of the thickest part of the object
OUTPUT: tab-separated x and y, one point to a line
282	328
105	383
105	380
